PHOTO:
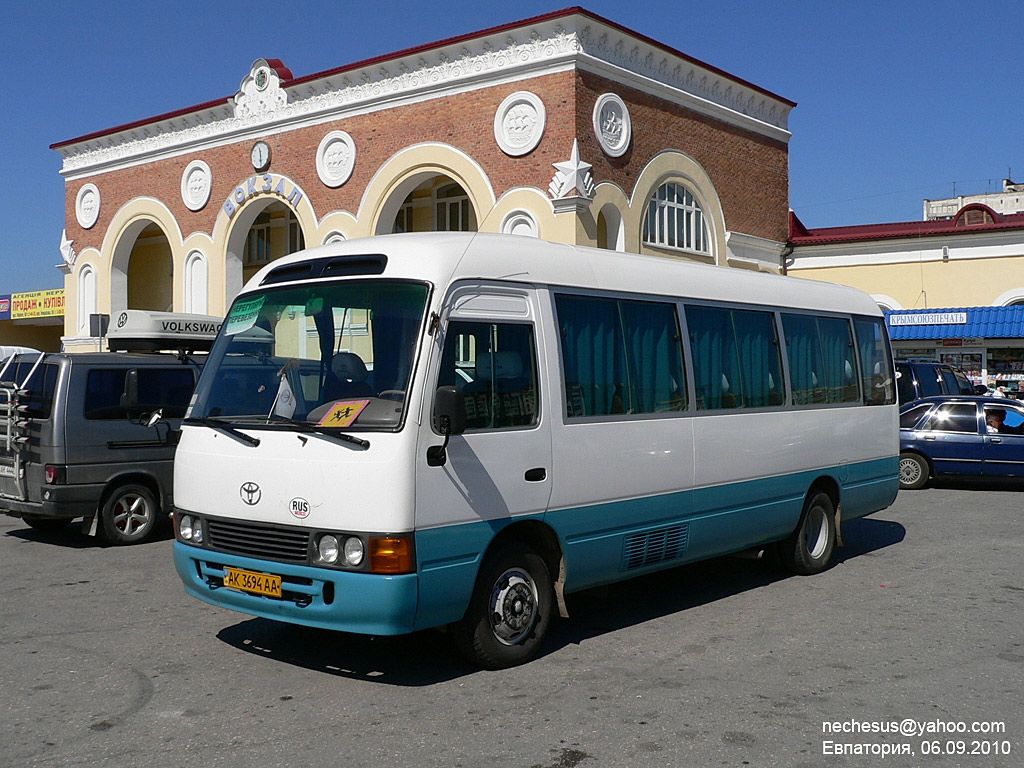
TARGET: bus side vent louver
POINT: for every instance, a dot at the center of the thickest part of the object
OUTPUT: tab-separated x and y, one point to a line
655	546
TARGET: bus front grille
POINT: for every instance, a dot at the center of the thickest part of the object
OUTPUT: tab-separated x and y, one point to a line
270	542
655	546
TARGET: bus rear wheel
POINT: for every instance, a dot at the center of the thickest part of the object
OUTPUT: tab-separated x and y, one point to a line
510	610
809	549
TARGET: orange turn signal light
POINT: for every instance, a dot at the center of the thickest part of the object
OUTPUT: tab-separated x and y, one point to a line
391	554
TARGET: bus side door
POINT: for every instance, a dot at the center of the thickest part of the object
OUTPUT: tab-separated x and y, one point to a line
499	469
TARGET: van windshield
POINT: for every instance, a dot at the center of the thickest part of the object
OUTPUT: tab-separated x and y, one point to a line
333	355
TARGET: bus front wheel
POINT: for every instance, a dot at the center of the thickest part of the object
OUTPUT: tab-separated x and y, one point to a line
809	549
510	609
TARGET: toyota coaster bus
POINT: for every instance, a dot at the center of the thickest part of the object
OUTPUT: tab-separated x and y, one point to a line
458	430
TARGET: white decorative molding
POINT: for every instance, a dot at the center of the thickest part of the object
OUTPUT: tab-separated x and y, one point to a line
87	206
334	236
552	45
612	125
260	93
335	158
520	223
573	175
66	251
196	183
519	123
752	251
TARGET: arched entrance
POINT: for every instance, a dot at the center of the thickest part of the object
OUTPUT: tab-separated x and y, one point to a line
151	272
428	202
265	230
142	268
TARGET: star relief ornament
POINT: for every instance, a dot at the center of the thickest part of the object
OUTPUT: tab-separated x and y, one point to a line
572	175
66	251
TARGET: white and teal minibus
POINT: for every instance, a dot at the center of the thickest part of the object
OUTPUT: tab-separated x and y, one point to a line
458	430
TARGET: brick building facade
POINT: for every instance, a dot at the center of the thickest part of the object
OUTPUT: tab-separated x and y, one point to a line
566	126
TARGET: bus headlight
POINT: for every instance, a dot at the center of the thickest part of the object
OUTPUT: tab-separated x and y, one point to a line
328	549
185	527
354	550
197	531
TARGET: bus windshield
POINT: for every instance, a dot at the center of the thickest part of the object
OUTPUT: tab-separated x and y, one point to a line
322	356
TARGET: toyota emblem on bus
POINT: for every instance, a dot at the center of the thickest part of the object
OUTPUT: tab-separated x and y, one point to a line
250	493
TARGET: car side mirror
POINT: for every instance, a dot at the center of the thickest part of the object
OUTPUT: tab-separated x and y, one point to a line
449	419
130	395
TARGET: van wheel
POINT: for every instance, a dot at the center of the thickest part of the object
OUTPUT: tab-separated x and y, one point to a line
510	610
914	471
49	524
129	514
809	549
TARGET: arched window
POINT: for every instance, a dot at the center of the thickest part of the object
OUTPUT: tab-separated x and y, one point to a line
86	297
675	220
195	283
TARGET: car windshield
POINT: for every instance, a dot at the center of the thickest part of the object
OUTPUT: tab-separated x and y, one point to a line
333	355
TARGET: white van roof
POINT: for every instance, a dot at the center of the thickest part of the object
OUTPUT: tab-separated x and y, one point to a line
143	329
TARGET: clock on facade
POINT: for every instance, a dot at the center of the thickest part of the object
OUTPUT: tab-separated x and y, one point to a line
260	155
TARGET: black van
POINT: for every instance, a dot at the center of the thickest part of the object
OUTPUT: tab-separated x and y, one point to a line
75	438
921	377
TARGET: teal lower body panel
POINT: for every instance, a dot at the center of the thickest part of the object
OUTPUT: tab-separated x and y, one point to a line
448	560
618	540
317	597
870	486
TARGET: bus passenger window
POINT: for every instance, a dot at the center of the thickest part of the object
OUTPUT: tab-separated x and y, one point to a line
620	357
736	358
494	364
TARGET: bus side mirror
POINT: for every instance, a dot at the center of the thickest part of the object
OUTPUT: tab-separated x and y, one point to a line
450	411
449	419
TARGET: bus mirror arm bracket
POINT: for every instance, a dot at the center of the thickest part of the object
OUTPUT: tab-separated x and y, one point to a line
449	419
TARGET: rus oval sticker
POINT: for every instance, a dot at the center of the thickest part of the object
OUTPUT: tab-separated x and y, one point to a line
299	507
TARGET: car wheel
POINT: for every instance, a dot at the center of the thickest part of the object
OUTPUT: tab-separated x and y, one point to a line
510	609
49	524
129	515
914	471
809	549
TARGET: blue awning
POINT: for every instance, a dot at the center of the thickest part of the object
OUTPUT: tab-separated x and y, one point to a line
956	323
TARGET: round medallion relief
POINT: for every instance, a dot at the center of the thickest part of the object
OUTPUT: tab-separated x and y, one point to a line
519	123
612	125
335	158
87	206
196	182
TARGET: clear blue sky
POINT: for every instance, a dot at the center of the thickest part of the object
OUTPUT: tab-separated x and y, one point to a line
896	100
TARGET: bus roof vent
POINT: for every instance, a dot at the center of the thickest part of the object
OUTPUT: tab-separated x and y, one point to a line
338	266
140	329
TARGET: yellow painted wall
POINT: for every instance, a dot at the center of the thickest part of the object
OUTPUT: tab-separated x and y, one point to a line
933	284
150	276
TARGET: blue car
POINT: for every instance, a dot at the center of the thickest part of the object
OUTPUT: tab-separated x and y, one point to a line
959	435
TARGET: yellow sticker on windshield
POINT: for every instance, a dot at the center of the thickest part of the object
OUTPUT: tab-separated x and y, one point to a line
343	413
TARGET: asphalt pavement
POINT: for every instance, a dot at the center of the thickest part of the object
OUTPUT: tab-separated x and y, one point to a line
104	661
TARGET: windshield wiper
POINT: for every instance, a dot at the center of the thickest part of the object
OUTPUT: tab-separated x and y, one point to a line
299	426
226	427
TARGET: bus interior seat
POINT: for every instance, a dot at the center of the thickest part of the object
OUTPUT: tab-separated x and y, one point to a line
348	378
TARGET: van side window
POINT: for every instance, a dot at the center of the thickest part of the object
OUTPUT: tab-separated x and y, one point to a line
736	358
167	388
41	387
620	356
928	380
821	364
875	363
495	365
